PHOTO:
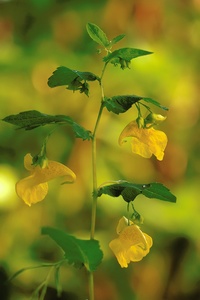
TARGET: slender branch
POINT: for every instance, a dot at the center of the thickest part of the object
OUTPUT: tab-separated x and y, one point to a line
102	73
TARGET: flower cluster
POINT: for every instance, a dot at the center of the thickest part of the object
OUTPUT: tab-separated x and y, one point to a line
131	245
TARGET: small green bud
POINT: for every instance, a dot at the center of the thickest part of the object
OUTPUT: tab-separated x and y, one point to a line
137	218
154	119
122	63
128	63
84	88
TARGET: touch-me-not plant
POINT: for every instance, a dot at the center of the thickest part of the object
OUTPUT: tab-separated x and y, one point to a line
132	244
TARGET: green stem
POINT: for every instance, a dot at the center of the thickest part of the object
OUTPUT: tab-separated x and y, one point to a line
91	286
94	173
94	160
102	73
94	176
94	197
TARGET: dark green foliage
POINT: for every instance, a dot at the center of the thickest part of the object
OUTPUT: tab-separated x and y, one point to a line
120	104
32	119
116	39
100	37
123	56
78	252
73	79
97	35
129	191
154	102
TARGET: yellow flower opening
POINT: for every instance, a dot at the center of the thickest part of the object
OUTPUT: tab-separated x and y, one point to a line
144	141
131	245
34	188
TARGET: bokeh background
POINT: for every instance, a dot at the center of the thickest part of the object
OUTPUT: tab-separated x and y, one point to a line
37	36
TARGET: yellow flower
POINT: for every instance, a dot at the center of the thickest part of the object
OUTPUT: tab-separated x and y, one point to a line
145	141
34	188
131	245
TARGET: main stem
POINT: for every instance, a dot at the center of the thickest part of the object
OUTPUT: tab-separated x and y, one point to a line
94	176
94	197
94	173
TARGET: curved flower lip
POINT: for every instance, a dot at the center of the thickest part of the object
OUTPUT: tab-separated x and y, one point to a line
131	245
144	141
34	188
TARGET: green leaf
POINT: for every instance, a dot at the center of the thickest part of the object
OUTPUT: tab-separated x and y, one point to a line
97	35
154	102
62	76
116	39
159	191
120	104
73	79
32	119
129	191
78	252
124	55
80	132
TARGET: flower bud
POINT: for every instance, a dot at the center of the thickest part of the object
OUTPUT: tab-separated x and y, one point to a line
128	63
137	218
154	119
122	63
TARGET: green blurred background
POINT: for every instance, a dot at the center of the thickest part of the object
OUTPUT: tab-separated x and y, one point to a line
36	36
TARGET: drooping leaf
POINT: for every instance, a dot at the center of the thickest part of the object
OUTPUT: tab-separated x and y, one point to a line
120	104
154	102
129	191
123	56
97	35
73	79
78	252
32	119
116	39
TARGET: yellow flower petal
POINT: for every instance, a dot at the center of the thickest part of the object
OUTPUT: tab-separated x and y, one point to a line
145	141
131	245
140	148
117	249
29	192
28	160
34	188
54	170
122	224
